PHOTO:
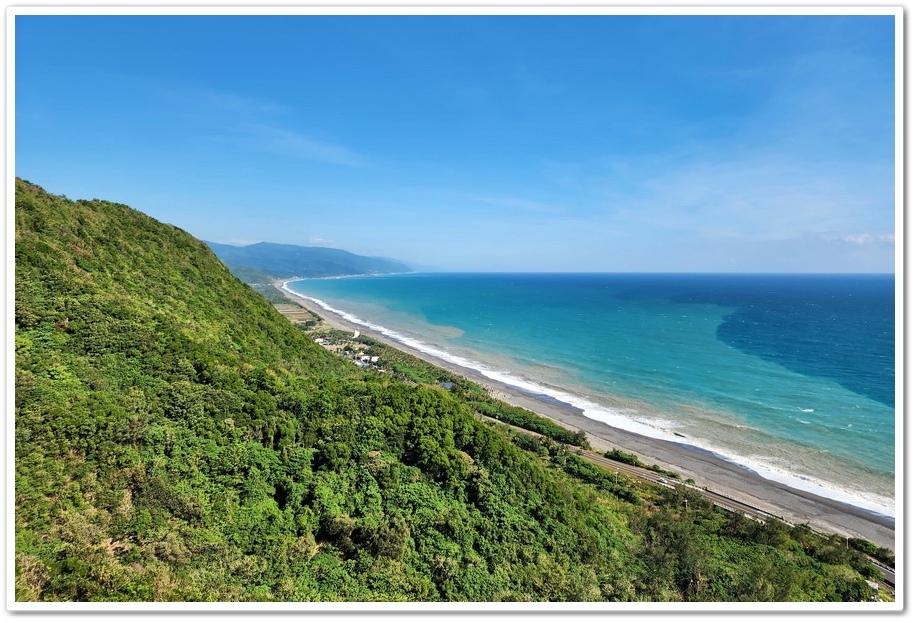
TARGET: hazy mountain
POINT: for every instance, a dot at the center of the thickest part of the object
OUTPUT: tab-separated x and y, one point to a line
288	260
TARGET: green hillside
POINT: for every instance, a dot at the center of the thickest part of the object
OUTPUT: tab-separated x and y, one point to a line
177	439
288	260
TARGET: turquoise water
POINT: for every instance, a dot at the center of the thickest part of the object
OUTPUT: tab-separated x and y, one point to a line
791	376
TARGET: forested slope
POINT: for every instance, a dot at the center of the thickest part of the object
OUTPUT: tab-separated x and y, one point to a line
177	439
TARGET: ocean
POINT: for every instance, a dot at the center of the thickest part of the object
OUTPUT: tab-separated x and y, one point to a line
791	376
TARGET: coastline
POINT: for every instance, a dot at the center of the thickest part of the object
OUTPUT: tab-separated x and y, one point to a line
706	469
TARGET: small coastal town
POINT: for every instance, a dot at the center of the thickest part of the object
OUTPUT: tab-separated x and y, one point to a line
349	345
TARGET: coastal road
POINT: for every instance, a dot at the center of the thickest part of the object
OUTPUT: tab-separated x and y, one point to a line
654	477
716	498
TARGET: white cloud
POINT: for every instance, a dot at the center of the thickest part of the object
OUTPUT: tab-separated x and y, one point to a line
517	204
768	197
815	155
249	122
212	101
293	144
859	239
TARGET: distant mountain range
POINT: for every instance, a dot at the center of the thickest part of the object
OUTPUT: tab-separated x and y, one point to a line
265	260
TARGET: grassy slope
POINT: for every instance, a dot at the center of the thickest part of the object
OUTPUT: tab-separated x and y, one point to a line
177	439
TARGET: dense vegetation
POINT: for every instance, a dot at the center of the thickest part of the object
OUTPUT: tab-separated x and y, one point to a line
178	439
411	369
289	260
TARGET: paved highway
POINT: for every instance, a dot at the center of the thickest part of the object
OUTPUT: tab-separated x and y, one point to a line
716	498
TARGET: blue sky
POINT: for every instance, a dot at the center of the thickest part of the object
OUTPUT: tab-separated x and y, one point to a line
518	143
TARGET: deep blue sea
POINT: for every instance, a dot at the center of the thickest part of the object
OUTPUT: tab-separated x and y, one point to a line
792	376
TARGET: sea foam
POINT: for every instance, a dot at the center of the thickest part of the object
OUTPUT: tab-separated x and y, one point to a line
654	426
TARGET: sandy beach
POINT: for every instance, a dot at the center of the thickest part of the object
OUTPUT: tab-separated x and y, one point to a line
707	470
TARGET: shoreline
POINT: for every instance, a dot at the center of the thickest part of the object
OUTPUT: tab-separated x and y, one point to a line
705	468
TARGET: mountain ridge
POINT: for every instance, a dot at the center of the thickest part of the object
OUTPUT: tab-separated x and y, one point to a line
282	261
